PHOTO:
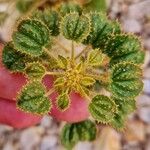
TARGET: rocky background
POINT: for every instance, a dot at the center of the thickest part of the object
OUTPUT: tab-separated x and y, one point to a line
134	15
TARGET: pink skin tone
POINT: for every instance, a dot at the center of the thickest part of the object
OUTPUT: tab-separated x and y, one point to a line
10	85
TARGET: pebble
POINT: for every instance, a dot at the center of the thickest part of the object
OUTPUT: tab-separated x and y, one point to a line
147	73
139	10
132	25
131	133
143	100
83	146
30	138
132	146
9	146
109	139
144	114
147	43
147	59
146	88
46	122
148	145
49	142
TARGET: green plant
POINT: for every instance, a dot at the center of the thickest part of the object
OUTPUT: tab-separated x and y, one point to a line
109	61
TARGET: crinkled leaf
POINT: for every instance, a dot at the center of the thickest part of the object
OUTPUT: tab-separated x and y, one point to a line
126	80
73	133
82	90
63	101
66	8
50	18
32	99
96	5
125	106
12	59
136	57
118	122
59	82
95	58
30	37
62	62
35	70
24	5
75	27
87	81
102	108
124	47
102	29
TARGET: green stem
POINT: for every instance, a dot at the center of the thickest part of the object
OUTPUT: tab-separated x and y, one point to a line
61	45
83	51
54	73
47	51
102	78
72	50
50	92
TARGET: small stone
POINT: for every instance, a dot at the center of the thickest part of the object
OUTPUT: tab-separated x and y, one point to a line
147	28
147	43
9	146
132	25
143	100
109	139
147	59
49	142
148	145
139	10
30	138
135	131
148	129
5	128
147	73
144	114
146	88
46	122
132	146
83	146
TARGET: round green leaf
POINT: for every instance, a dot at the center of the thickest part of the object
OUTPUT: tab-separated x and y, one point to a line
124	47
95	58
32	99
75	27
63	102
30	37
35	70
66	8
12	59
125	80
102	108
49	18
124	107
102	29
73	133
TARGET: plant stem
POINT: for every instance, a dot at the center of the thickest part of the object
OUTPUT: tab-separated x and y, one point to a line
54	73
47	51
72	51
102	78
83	51
50	92
61	45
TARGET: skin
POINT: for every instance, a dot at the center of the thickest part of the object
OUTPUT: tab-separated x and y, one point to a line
10	85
